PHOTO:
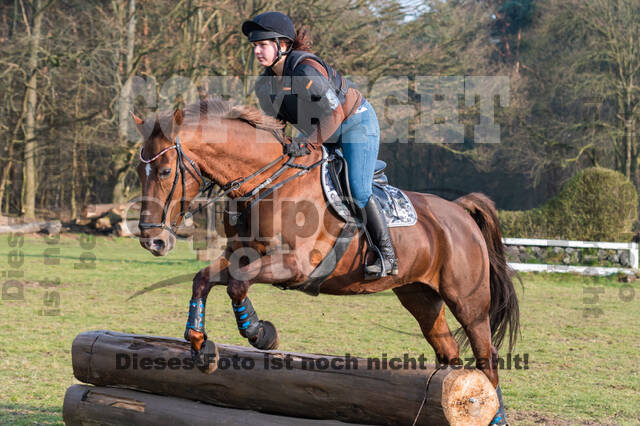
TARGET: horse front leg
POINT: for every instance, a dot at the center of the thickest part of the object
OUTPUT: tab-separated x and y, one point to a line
203	351
267	269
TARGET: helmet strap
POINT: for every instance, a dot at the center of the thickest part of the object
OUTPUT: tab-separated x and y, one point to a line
280	53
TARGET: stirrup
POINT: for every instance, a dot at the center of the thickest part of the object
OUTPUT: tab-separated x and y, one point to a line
394	267
374	272
378	270
371	273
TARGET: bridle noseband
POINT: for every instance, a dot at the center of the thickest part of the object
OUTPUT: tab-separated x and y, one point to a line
224	190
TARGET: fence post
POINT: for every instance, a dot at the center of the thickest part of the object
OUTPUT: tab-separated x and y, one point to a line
633	255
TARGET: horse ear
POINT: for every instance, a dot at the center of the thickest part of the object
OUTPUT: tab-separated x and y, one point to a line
139	121
177	116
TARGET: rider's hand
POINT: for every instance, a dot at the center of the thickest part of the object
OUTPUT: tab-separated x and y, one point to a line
298	147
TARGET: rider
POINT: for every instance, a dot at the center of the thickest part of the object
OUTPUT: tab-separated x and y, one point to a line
301	89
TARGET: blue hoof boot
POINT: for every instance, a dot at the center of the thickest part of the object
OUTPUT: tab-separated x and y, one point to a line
500	418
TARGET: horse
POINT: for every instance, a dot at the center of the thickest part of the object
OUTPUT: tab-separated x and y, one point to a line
453	256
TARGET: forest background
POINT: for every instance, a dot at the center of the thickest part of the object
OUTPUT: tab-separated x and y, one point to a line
572	69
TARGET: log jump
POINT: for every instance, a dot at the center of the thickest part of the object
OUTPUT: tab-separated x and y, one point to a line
262	387
104	405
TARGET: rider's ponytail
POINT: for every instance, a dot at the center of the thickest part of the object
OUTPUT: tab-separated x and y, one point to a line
303	39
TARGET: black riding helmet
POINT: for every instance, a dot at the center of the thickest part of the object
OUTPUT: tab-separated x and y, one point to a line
270	26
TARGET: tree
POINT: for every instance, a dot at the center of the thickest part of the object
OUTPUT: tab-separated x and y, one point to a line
577	104
34	29
610	67
511	17
126	68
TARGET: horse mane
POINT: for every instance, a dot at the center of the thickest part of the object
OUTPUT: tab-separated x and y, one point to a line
194	113
218	107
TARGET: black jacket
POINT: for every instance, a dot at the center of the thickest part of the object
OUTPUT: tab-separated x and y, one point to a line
303	96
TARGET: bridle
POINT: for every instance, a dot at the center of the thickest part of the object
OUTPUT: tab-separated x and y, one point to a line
207	188
180	173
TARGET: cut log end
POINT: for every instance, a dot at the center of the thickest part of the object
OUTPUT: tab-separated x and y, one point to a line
468	398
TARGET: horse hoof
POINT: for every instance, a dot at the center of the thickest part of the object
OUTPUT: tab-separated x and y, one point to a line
267	338
499	419
206	359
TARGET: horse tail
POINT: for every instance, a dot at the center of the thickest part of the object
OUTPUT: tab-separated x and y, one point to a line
504	313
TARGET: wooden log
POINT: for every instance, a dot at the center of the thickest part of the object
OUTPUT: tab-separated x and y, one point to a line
310	386
103	223
128	228
91	405
51	228
93	211
119	219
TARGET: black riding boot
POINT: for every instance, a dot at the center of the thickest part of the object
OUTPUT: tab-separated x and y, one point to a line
379	232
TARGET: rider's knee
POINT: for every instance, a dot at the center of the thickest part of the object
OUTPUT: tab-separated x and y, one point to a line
360	196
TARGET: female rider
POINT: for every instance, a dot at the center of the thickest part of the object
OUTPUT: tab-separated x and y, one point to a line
301	89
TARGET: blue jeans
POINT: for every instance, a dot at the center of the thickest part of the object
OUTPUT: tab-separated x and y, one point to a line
359	139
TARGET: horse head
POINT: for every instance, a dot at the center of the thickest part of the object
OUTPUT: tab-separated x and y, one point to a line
168	178
211	138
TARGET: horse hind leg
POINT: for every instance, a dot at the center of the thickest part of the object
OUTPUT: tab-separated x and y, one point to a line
478	331
427	308
472	313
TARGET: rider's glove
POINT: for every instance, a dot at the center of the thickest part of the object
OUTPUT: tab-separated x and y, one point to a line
298	147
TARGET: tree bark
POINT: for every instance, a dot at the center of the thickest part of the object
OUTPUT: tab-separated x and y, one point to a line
122	158
7	169
102	405
77	131
29	171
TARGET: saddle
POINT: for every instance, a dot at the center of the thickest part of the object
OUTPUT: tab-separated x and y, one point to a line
394	203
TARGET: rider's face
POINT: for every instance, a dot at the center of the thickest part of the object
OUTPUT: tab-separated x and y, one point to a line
265	51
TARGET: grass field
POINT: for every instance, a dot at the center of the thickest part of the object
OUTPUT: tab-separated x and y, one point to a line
583	354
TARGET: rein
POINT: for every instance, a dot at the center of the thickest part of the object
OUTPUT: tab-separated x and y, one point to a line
224	190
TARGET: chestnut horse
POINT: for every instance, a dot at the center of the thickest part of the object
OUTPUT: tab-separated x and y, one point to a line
453	254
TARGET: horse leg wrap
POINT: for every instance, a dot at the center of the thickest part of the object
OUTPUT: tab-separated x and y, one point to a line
196	317
261	334
247	318
500	418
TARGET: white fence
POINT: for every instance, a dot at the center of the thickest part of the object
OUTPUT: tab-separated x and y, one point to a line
586	270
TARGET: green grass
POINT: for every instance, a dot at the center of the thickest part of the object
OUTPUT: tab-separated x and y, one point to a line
581	369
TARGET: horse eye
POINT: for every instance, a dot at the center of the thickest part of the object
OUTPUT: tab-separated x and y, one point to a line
164	173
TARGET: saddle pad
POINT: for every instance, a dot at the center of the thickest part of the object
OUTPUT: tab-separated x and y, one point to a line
396	206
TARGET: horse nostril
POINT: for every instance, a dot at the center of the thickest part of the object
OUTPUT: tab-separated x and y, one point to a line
158	244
